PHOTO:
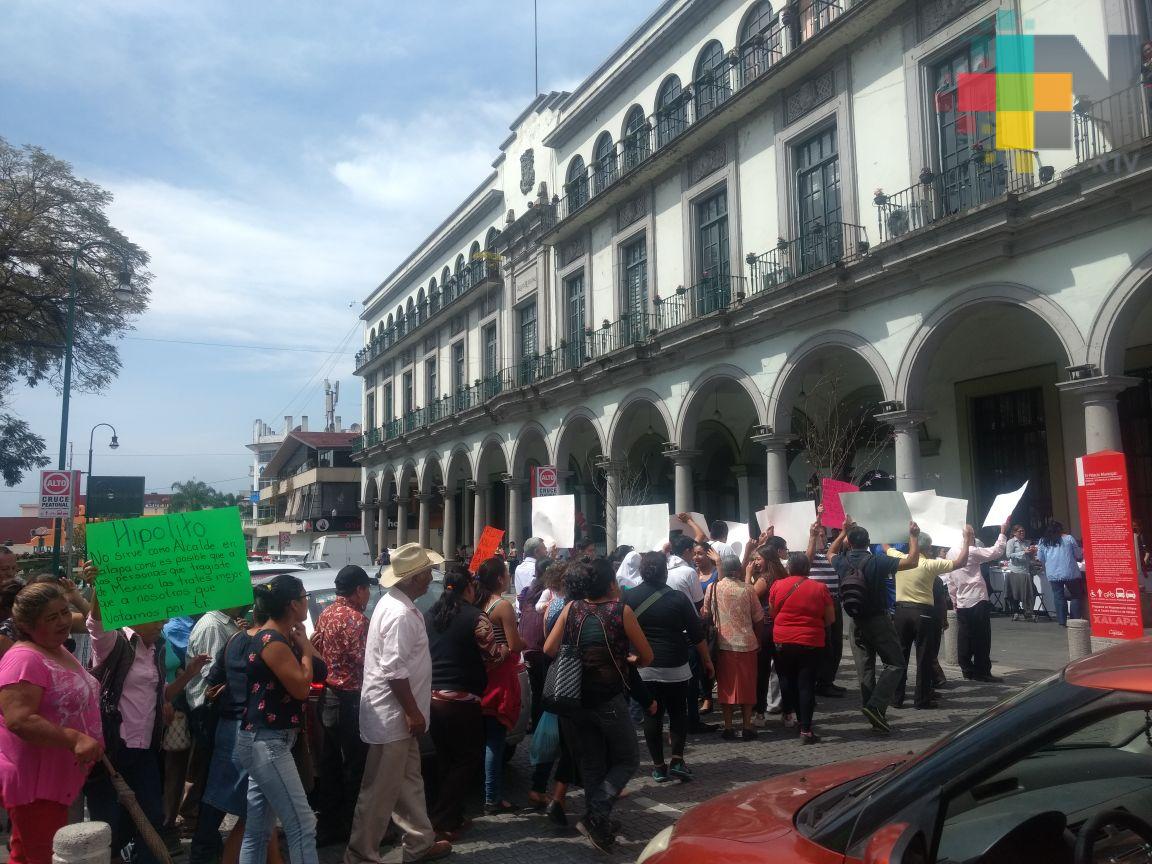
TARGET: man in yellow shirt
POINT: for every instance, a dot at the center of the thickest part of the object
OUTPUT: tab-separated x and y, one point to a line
916	617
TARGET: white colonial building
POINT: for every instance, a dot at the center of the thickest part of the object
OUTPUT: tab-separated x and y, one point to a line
759	231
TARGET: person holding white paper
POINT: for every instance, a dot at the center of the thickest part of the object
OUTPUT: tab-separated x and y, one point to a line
1018	580
969	594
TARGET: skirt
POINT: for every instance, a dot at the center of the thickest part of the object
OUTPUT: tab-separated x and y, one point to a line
736	677
227	785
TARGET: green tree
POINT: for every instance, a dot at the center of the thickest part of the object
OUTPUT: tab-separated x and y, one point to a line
46	213
197	495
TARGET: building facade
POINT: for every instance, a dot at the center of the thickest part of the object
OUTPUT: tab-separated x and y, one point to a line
767	242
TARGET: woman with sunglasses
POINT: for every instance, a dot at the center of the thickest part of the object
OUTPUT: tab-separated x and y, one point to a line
282	666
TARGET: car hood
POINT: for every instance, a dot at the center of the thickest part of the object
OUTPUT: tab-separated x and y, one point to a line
765	811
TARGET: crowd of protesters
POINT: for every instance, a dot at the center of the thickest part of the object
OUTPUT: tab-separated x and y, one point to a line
208	718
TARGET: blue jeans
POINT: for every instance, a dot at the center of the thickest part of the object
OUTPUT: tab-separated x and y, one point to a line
494	735
274	790
1070	592
140	768
609	754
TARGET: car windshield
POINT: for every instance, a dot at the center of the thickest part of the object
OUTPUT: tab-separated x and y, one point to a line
832	818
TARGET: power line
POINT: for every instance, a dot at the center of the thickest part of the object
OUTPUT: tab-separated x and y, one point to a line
331	362
235	345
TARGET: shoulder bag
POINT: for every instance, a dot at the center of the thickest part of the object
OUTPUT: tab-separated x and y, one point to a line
564	683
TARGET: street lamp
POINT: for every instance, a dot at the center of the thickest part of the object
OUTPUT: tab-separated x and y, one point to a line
112	445
124	280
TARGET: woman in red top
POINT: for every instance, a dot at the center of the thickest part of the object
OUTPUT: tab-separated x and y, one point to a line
801	610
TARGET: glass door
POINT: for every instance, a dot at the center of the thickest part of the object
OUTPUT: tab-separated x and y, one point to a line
971	169
636	289
575	318
818	201
713	290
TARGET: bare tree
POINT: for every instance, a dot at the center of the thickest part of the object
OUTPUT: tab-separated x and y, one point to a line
838	430
634	489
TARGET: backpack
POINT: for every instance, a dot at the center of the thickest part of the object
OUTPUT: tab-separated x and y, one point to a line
531	622
854	589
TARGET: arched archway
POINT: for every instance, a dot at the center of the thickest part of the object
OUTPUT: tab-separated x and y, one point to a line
457	506
491	499
641	429
431	481
986	362
579	448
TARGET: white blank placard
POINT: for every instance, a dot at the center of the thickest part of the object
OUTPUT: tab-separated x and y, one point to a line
884	515
792	521
643	527
554	520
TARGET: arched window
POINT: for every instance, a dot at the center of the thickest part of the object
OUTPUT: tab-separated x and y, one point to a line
372	335
474	252
401	324
421	305
410	314
760	44
490	239
576	188
433	297
459	265
712	84
604	171
671	111
635	142
391	322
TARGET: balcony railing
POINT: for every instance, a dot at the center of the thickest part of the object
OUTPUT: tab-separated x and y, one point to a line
480	271
819	247
980	180
796	25
1099	128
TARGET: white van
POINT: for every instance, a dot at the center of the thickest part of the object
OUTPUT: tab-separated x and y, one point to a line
339	550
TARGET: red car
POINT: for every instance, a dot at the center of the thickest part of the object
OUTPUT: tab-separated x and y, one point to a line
1061	773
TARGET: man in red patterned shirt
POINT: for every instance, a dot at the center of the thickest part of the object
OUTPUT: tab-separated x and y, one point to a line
340	637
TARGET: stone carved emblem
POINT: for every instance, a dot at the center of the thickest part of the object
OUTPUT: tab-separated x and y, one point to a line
707	161
571	250
813	92
527	171
937	13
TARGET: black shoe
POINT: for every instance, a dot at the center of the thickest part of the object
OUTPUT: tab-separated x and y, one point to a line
809	738
987	679
598	834
897	703
748	735
968	675
832	691
702	728
728	734
931	703
555	813
879	721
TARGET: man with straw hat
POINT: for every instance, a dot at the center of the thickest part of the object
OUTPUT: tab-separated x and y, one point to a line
394	711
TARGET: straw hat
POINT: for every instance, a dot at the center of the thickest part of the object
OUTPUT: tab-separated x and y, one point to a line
408	560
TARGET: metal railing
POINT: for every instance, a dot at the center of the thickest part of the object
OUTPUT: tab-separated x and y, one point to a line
982	179
482	270
1122	119
820	246
797	24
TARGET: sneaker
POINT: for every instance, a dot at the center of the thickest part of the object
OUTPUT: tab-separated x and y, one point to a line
1016	616
878	721
809	738
555	813
598	835
660	774
680	771
748	735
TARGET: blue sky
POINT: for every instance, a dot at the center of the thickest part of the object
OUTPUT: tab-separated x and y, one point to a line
276	160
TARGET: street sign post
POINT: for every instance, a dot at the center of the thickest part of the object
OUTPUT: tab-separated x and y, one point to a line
547	481
58	493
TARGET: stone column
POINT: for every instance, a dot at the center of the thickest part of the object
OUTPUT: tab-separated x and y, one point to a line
448	541
682	461
1101	409
515	487
382	528
402	520
776	447
468	499
479	512
743	494
906	435
424	529
613	477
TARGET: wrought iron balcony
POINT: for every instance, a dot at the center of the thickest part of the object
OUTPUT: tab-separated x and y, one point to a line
1121	120
481	272
980	180
820	246
796	25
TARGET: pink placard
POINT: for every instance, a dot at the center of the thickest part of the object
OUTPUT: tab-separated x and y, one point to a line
833	515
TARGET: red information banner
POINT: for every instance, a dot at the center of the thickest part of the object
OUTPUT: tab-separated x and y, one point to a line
486	548
1109	553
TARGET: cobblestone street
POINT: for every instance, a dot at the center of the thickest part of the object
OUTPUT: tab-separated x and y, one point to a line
721	766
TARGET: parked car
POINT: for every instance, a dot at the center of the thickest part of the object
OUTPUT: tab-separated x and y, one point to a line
1060	773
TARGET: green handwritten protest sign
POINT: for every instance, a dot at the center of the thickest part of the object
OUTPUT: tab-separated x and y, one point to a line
160	567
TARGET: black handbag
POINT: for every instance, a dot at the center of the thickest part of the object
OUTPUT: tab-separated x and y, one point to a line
564	683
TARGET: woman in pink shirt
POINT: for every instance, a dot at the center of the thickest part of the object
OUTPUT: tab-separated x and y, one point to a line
50	734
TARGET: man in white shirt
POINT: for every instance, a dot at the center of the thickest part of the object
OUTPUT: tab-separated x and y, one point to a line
526	569
969	594
394	711
682	575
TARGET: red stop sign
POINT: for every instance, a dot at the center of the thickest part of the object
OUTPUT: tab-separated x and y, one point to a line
56	483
